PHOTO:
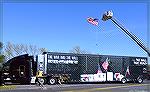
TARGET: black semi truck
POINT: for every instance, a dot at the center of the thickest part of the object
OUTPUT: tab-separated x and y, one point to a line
52	67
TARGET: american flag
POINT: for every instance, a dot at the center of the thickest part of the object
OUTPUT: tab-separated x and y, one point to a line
128	71
99	69
93	21
105	64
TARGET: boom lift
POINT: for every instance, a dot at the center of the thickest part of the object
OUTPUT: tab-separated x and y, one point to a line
109	15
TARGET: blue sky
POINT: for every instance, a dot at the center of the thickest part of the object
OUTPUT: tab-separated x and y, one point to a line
61	26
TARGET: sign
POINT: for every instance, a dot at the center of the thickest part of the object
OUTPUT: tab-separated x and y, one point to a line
93	77
140	61
62	59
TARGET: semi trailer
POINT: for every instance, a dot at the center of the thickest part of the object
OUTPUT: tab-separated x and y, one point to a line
52	68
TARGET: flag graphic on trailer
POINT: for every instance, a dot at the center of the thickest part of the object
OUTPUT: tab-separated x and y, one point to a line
93	21
99	69
105	64
127	71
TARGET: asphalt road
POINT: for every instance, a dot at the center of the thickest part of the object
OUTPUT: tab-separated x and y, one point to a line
99	87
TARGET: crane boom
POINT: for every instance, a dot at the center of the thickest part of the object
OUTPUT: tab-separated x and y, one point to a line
109	15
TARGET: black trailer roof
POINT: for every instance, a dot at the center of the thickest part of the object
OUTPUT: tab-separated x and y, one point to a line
91	54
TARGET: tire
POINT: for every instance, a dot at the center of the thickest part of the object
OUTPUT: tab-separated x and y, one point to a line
52	81
140	80
123	80
41	80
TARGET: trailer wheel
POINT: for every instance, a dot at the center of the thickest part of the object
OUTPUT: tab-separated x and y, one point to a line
52	81
139	79
123	80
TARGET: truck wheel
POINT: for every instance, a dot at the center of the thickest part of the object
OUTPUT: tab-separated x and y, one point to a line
139	79
52	81
123	80
41	80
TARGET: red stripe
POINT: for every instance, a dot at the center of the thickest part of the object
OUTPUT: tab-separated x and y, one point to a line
90	20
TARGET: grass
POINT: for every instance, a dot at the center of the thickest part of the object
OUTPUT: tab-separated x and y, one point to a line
7	87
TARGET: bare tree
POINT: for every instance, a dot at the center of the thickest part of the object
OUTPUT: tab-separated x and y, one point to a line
18	48
33	49
8	51
25	49
11	50
78	50
41	50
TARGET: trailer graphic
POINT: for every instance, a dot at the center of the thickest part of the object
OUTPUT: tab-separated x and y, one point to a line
52	68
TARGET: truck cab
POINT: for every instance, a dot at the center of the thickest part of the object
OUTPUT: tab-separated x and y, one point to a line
19	69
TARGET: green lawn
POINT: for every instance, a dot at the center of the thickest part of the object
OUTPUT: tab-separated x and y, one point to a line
7	87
